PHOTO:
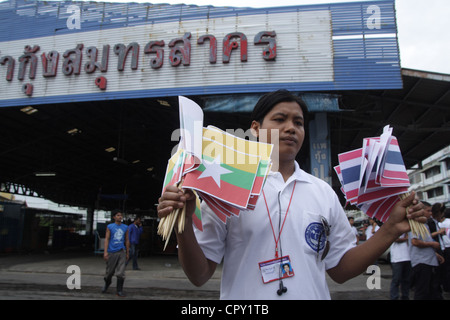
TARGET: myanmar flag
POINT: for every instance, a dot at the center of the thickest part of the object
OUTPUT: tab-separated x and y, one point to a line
230	177
174	169
197	216
232	171
243	147
225	173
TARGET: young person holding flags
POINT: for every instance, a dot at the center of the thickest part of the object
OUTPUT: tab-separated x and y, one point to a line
298	221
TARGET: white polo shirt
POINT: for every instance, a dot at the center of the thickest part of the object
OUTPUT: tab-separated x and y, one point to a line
400	252
245	241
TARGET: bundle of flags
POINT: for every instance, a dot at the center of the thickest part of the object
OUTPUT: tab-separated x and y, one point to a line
225	171
232	173
374	177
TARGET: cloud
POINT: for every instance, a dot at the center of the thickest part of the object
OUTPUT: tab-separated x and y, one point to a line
424	30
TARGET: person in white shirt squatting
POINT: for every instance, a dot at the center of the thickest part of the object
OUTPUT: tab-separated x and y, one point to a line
298	220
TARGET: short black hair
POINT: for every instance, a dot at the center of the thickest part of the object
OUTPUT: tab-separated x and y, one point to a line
115	211
426	204
437	209
271	99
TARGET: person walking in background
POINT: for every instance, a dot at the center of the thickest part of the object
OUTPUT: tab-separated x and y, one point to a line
351	220
371	229
117	247
134	234
437	213
445	224
424	262
401	268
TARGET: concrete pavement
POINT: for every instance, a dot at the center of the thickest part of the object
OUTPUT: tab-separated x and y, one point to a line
44	276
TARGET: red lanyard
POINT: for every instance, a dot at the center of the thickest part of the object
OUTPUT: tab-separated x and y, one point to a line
282	226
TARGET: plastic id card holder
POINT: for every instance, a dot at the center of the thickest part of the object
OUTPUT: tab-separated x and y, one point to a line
276	269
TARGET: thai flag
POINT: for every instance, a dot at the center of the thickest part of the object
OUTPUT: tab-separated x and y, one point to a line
380	209
337	169
371	190
374	176
393	169
350	167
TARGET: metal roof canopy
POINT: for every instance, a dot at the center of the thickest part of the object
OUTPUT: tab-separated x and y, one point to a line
70	140
419	114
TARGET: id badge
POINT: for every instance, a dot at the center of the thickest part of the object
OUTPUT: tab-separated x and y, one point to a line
276	269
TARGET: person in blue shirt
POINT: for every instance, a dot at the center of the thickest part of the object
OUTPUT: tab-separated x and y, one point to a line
134	234
116	254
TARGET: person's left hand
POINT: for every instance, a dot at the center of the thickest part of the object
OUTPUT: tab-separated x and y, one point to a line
407	209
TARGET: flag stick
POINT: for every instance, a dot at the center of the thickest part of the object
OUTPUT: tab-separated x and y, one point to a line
182	220
417	228
173	217
167	223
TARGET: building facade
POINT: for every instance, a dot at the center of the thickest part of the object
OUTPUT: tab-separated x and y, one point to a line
431	182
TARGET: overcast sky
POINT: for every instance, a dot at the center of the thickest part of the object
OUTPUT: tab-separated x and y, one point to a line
423	26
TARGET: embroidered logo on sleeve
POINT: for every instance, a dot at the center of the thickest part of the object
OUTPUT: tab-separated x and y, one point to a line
312	236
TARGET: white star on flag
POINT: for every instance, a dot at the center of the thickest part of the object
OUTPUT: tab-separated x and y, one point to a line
214	170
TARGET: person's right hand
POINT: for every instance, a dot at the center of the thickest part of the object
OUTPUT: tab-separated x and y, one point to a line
174	198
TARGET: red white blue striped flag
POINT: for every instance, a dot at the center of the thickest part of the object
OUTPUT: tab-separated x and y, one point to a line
350	167
374	176
394	171
379	209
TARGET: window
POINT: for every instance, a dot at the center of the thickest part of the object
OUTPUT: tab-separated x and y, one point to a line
416	178
447	163
434	171
420	194
436	192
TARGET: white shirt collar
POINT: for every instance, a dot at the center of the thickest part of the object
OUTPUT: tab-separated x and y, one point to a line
299	175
